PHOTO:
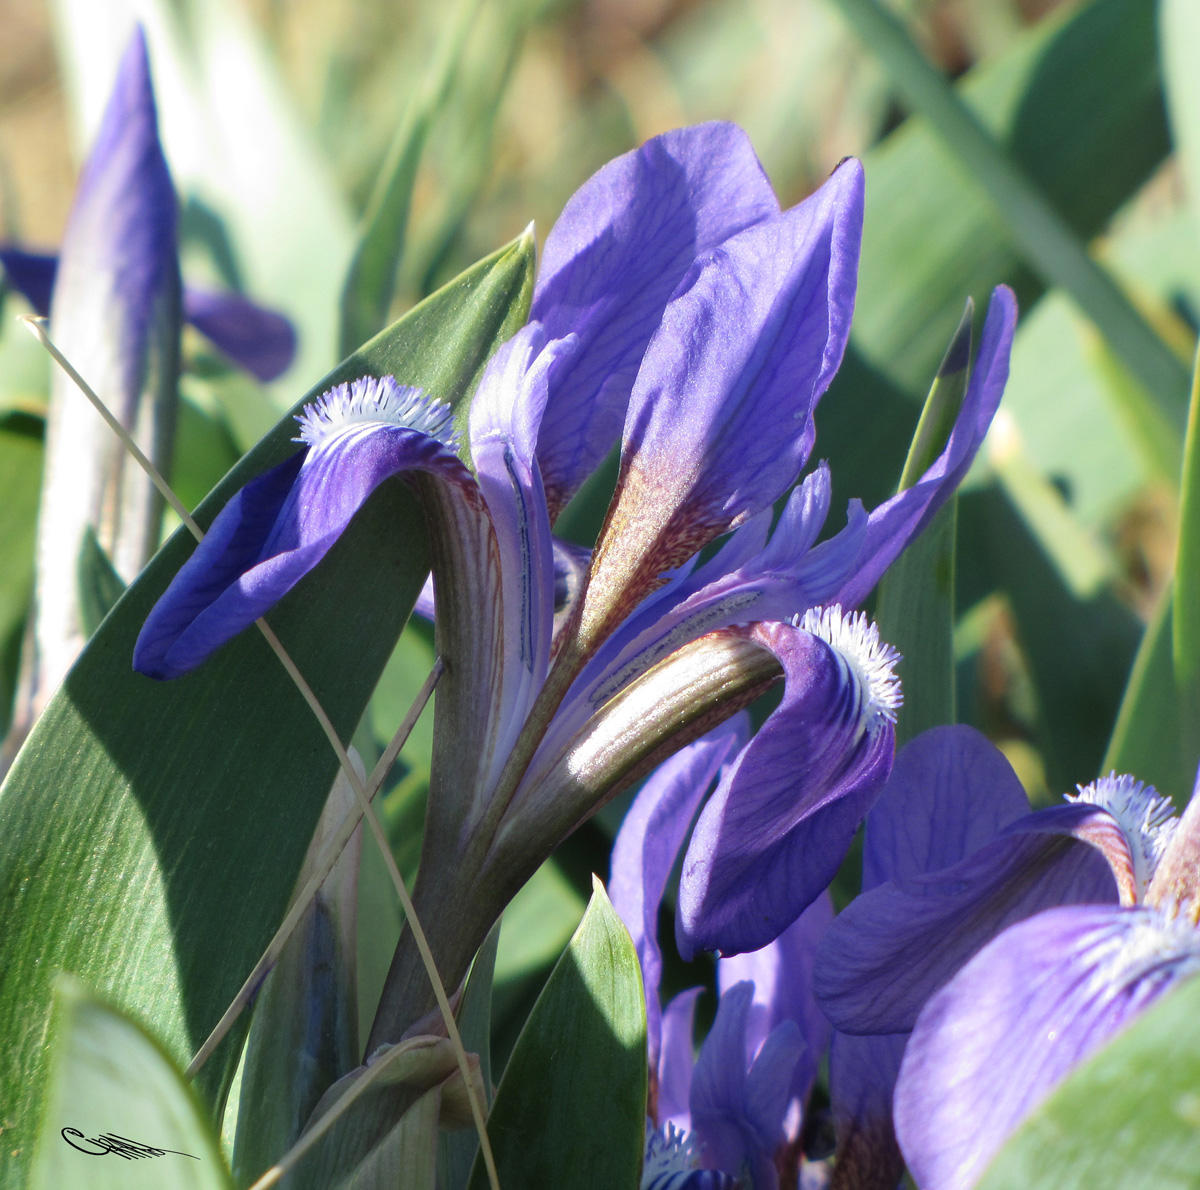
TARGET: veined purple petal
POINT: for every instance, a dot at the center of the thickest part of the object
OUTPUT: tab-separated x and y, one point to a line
739	1113
1011	1025
862	1078
31	274
278	527
260	340
649	842
894	946
782	974
773	835
951	792
720	420
899	520
612	260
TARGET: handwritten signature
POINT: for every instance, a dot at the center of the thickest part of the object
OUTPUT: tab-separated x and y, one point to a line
119	1146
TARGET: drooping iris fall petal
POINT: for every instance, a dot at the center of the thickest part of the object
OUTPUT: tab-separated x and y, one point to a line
1013	1022
773	835
278	527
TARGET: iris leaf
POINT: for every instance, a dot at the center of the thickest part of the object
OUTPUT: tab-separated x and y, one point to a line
371	280
111	1078
915	611
1128	1117
570	1111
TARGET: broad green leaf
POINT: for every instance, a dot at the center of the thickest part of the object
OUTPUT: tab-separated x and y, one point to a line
111	1078
1186	612
1082	419
410	1087
100	586
1046	240
1077	102
21	466
1127	1118
151	833
571	1108
371	280
536	926
1179	22
1079	647
915	611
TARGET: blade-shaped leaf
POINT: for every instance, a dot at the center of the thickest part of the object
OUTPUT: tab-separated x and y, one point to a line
21	465
1129	1117
152	833
1046	240
112	1080
304	1035
915	610
570	1110
1077	102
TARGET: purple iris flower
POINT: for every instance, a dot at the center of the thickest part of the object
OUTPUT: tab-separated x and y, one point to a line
732	1117
677	300
115	307
1007	943
119	250
261	341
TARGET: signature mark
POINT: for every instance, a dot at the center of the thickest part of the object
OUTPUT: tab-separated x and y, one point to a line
118	1146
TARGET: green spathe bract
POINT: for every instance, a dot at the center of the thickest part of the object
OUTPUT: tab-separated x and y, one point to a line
150	834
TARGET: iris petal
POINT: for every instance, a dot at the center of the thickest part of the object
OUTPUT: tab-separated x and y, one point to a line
720	420
899	520
272	533
612	260
649	843
1015	1020
894	946
774	834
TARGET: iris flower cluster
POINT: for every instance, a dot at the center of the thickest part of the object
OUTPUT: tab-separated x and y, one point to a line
993	949
685	319
679	310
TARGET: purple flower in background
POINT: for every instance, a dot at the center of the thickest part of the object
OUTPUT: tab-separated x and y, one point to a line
963	887
115	306
732	1117
677	300
259	340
